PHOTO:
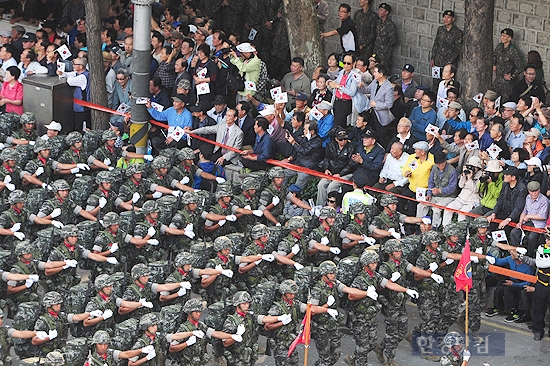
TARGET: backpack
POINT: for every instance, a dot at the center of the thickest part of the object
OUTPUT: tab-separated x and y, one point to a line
234	80
171	317
75	303
81	190
91	140
347	270
126	334
24	319
76	351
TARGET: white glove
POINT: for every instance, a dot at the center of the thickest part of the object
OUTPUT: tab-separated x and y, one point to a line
148	349
102	202
148	157
176	193
182	292
449	261
227	273
479	251
189	234
324	240
298	266
295	249
220	180
268	257
55	213
412	293
335	250
151	355
114	248
57	224
184	180
490	259
333	313
47	186
221	222
395	234
135	197
42	335
32	143
237	338
29	283
198	333
371	292
153	242
70	263
19	236
146	304
10	186
258	213
82	166
258	262
275	201
107	161
286	318
39	171
186	285
247	207
112	260
521	250
189	227
52	334
157	195
107	314
395	276
466	355
437	278
433	266
231	218
368	240
151	231
474	259
241	329
96	313
7	179
16	227
331	300
34	277
111	168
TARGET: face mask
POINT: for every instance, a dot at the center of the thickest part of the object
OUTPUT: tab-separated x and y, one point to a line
308	136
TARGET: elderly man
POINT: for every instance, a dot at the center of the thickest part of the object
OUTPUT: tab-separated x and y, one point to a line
391	176
79	78
176	116
369	157
404	136
307	152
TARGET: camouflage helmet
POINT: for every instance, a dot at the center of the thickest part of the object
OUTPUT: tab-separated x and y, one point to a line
258	231
111	218
192	305
296	222
480	222
23	247
186	154
241	297
27	117
103	280
357	208
387	199
276	172
453	339
160	162
392	245
183	258
73	137
60	185
288	287
9	154
222	193
140	270
190	197
327	267
149	207
69	230
42	145
368	257
52	298
222	242
54	358
327	212
431	237
452	230
108	135
101	337
17	196
148	320
135	169
250	183
103	176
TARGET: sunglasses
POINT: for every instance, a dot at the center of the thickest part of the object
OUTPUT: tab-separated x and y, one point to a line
347	63
331	201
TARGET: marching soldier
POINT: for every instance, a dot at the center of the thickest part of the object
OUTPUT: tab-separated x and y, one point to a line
248	201
102	355
148	343
10	173
225	207
103	199
6	334
13	221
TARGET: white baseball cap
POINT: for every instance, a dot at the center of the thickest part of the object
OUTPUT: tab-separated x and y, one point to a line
268	109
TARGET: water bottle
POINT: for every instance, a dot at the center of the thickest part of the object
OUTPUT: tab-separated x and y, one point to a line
149	150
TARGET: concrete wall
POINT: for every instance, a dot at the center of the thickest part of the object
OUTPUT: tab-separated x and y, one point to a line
417	22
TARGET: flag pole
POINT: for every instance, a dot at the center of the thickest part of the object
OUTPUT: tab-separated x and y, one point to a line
306	331
466	319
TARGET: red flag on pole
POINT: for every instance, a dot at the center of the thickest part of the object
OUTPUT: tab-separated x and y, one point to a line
463	273
305	332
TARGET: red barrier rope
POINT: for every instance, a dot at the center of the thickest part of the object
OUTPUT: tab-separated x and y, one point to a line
302	169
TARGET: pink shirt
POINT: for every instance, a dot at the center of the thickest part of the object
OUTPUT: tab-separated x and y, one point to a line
15	93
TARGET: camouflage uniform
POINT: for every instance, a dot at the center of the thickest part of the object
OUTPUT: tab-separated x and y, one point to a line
386	221
49	321
181	171
5	170
366	31
179	275
359	228
5	345
228	228
245	199
180	220
148	253
508	61
452	358
289	241
135	292
145	340
103	242
334	236
102	302
267	195
222	285
128	188
112	201
7	219
49	165
33	267
386	38
69	210
264	270
67	278
447	46
73	156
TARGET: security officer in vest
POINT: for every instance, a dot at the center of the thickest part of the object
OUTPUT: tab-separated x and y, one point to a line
14	220
102	355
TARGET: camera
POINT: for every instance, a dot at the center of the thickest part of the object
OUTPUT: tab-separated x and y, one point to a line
485	178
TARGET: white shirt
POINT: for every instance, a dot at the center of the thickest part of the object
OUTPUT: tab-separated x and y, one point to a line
392	169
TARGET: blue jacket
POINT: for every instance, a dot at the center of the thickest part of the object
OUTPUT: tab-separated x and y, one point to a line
522	268
263	147
420	121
